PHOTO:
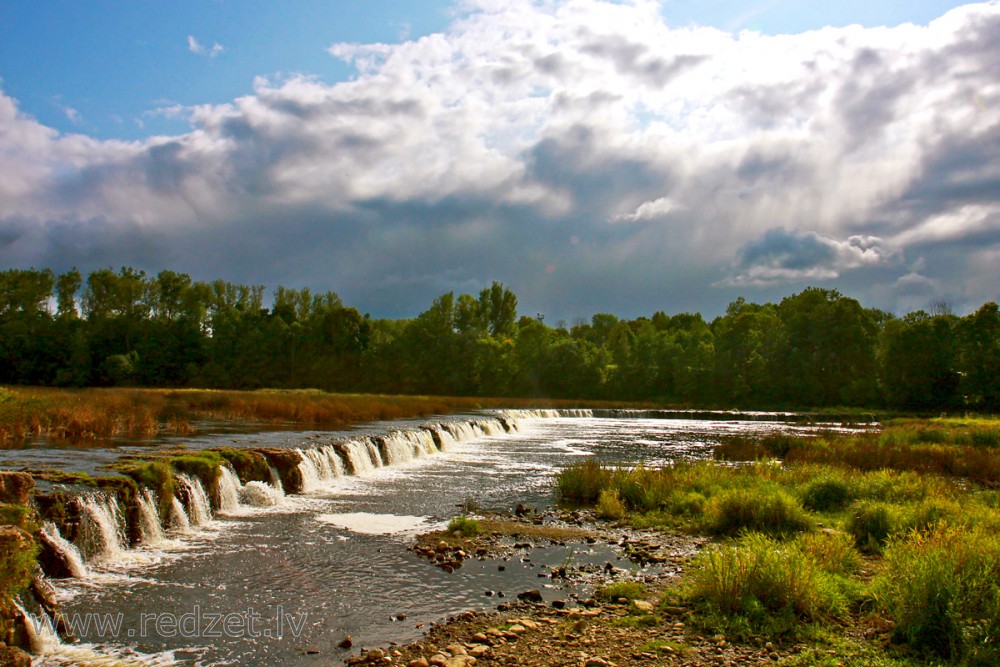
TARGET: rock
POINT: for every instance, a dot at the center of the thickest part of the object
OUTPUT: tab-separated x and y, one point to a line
456	649
517	629
13	657
480	638
479	651
559	604
346	642
533	595
523	510
439	660
16	487
53	561
460	661
418	662
643	606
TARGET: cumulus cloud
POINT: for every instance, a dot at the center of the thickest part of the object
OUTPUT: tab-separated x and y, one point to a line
688	166
782	256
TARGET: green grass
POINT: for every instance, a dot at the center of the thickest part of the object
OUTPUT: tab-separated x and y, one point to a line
758	585
896	534
464	526
941	588
630	590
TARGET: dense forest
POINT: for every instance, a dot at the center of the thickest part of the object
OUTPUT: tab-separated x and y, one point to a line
815	348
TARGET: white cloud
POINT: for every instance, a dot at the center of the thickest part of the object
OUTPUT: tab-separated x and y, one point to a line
481	149
194	46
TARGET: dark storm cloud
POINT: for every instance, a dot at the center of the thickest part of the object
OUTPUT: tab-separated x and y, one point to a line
584	153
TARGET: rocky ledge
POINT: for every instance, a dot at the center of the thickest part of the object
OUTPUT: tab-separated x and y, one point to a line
596	631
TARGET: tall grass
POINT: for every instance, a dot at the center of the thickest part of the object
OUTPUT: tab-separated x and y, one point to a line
942	588
759	584
94	414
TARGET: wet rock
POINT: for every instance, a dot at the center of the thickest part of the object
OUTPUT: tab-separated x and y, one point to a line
16	487
533	595
346	642
52	559
13	657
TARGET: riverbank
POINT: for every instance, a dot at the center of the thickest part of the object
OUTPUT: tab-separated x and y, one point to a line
86	415
836	551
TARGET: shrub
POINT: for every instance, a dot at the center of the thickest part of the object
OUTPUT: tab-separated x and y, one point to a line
769	584
761	508
871	523
833	552
610	505
630	590
941	588
464	526
583	482
826	495
646	489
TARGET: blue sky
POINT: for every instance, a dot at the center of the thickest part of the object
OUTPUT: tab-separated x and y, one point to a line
595	156
106	67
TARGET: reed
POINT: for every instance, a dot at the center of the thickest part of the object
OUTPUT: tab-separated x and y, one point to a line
83	415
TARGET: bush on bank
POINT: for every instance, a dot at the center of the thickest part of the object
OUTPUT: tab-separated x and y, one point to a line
797	535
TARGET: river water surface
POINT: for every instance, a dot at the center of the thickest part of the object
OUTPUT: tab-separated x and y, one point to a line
285	584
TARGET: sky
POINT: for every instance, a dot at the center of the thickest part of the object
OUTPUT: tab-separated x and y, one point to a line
623	157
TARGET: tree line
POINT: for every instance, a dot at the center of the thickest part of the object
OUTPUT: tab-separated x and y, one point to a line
812	349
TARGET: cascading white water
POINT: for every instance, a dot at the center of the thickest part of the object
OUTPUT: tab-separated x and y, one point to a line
403	446
69	551
149	519
318	466
359	456
259	494
42	635
228	489
445	437
101	536
178	516
199	509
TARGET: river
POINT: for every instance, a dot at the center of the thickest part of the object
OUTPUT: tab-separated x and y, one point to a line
285	584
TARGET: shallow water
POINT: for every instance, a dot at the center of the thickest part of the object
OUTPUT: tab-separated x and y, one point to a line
284	585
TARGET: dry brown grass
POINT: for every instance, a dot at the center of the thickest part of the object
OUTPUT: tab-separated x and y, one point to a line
93	414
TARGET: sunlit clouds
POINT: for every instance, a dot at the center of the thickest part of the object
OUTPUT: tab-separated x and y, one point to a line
690	165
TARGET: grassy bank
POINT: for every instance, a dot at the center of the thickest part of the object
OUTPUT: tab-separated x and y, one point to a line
93	414
882	547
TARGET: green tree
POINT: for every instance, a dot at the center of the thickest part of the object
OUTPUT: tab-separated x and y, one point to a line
978	348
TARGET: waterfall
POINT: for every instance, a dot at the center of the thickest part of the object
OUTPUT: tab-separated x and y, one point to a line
359	456
42	635
229	488
199	510
259	494
444	437
402	446
178	517
69	551
149	518
319	465
101	535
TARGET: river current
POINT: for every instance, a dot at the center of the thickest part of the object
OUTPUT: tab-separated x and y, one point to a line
285	584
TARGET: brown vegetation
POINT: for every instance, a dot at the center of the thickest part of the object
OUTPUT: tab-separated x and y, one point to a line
93	414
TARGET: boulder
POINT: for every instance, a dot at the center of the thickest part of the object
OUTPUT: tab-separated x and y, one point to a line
533	595
13	657
52	559
16	487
